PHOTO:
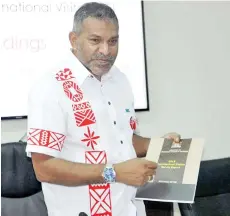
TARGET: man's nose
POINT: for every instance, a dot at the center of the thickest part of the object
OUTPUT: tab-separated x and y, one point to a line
104	49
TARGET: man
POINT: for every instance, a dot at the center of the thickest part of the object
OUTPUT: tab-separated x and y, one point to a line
82	125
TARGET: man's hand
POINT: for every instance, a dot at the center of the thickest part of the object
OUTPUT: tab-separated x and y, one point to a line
174	136
135	172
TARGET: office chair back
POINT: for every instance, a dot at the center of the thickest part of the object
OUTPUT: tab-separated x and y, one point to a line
21	193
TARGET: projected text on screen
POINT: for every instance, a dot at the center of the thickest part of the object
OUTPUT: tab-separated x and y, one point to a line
35	32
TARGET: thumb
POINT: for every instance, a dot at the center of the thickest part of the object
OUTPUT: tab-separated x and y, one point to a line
177	140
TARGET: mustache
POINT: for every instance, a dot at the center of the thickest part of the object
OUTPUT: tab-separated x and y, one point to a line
104	57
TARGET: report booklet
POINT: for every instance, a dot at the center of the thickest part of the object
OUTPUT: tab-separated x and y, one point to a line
177	172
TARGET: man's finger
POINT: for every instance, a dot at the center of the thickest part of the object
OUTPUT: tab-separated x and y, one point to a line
151	165
150	173
176	138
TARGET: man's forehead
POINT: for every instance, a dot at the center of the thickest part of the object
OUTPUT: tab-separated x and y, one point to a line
97	26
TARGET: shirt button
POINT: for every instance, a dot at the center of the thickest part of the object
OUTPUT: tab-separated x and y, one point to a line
109	103
82	214
121	142
114	122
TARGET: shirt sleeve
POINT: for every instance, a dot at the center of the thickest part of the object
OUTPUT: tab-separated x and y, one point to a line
46	131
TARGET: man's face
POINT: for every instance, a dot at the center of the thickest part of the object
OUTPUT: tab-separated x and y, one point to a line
97	45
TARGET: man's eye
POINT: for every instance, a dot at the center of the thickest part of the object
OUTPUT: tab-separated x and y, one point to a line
113	42
95	40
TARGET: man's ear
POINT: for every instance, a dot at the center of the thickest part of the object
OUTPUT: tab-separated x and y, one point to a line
73	38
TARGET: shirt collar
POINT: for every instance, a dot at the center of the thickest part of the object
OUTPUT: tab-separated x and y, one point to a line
78	69
80	72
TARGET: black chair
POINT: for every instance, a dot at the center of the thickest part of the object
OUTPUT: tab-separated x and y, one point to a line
21	193
212	196
158	208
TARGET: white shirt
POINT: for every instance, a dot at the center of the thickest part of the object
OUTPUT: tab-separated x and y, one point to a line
73	116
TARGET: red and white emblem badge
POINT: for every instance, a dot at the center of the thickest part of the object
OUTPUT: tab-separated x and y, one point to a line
133	123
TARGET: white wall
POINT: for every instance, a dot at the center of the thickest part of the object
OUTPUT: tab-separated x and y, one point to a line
188	47
188	55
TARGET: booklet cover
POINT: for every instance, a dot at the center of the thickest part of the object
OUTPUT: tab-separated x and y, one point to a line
177	171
